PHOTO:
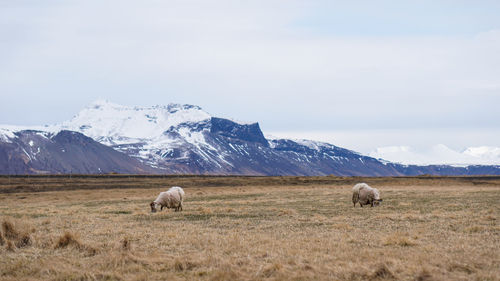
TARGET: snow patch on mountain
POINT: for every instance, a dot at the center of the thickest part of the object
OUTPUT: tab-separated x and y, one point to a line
484	152
438	155
6	134
315	145
114	124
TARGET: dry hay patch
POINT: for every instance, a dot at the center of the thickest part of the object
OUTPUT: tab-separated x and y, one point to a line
382	273
184	265
270	270
15	234
342	227
373	273
287	212
68	239
399	239
474	229
2	239
425	275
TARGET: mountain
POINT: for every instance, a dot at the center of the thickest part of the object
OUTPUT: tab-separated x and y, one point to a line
439	154
183	139
39	152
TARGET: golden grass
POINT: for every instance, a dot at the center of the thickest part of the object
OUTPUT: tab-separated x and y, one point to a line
254	232
399	239
14	236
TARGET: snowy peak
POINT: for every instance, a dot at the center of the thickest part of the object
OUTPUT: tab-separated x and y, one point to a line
117	124
485	152
104	104
439	154
6	134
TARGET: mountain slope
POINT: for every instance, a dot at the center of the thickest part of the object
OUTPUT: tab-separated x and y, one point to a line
37	152
183	139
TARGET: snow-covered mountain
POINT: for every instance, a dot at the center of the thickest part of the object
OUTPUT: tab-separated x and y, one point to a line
114	124
439	155
485	153
159	135
66	152
183	139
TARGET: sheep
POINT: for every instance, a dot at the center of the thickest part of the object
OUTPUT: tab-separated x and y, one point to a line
170	199
365	195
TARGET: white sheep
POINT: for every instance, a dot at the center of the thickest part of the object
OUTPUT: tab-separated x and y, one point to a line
170	199
365	195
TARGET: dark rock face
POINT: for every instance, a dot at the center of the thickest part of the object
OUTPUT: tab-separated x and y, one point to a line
35	152
232	130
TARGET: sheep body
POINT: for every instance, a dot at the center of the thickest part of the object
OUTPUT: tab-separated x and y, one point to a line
172	198
365	195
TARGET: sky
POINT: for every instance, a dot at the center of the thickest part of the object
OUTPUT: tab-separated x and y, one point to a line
359	74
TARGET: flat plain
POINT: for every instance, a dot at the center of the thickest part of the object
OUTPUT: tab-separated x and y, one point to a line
249	228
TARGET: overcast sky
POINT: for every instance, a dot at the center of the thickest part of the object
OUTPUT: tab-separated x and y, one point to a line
428	69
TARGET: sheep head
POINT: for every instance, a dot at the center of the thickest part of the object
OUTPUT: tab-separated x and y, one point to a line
376	197
376	202
153	207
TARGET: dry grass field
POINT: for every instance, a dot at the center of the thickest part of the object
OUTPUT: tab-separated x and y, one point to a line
249	229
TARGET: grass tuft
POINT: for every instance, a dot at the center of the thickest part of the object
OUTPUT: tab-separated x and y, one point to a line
224	274
126	244
68	239
10	246
18	237
184	265
399	239
424	275
23	241
2	239
9	230
474	229
382	273
271	270
461	267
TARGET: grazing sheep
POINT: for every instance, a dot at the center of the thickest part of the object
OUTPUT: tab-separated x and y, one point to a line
170	199
365	195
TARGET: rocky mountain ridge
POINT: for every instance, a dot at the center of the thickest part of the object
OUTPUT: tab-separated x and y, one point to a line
183	139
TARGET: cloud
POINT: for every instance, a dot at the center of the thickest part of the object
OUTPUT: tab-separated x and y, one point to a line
253	61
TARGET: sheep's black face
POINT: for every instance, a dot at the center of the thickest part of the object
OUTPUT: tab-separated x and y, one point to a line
153	208
376	202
